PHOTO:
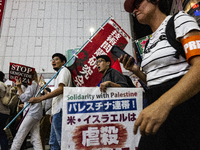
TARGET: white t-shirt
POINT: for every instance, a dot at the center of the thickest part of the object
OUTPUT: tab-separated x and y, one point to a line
63	77
35	110
159	63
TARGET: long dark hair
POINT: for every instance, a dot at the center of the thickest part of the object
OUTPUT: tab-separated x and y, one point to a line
163	5
61	56
2	75
35	77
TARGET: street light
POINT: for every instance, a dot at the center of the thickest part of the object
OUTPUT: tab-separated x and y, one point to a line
91	31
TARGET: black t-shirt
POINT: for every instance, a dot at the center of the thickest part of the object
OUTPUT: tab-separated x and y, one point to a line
116	77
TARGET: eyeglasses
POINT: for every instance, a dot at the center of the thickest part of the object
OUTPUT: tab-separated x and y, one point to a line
55	59
133	14
98	61
136	5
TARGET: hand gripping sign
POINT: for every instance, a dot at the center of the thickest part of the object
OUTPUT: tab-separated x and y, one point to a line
191	46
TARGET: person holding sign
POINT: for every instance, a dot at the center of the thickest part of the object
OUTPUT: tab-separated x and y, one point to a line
63	79
111	77
171	121
31	122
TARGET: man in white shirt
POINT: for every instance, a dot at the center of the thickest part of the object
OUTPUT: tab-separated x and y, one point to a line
62	79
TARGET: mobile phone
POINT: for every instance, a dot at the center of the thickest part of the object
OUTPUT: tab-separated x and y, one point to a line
117	51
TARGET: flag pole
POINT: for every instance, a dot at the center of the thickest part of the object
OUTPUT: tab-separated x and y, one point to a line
74	55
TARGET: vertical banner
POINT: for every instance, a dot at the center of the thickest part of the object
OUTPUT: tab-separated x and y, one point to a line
84	71
17	71
100	121
2	4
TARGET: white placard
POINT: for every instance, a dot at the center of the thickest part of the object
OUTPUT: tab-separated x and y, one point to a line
100	121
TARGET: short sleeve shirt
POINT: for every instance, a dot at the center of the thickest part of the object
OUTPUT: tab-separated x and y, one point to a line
159	63
63	77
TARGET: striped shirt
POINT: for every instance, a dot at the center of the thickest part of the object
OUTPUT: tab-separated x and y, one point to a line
159	63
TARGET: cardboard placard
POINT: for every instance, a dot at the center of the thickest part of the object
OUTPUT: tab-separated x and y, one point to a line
100	121
17	71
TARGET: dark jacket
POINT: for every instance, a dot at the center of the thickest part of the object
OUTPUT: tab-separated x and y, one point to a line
115	76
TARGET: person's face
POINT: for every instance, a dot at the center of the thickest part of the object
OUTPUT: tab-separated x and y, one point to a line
143	11
56	63
137	3
102	65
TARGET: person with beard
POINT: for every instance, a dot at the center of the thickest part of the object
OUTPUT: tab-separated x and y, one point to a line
111	77
62	79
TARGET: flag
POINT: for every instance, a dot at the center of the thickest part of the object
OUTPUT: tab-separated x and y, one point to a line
69	54
140	43
117	66
84	71
2	4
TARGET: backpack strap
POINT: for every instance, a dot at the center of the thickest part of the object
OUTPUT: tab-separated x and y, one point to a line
171	37
147	42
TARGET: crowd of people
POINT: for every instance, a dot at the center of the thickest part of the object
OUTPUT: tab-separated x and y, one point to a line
171	119
40	120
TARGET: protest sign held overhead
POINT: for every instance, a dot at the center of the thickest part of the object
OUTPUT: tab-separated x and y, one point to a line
84	70
17	71
96	121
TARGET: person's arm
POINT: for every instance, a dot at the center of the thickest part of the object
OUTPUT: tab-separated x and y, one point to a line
132	67
2	89
152	117
19	88
104	85
52	94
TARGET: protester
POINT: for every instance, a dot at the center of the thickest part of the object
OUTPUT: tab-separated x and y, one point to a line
4	114
62	79
171	121
31	122
45	125
111	77
13	105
